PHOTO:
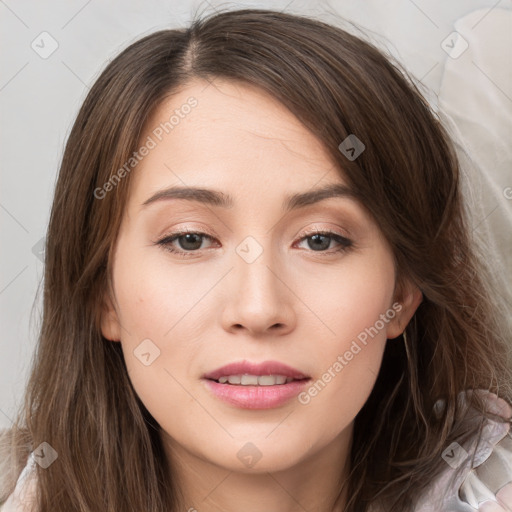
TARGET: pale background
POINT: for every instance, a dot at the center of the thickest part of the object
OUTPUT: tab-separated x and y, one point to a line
40	95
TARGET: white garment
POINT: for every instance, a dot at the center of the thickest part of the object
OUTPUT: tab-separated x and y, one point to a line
482	481
23	496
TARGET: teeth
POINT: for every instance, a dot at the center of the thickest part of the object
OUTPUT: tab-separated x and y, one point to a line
248	380
255	380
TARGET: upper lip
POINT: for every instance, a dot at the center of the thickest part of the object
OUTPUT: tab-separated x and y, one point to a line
248	368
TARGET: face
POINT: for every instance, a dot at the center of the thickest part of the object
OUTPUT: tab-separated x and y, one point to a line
302	290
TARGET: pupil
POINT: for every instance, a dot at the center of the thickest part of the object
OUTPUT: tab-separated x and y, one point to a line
189	239
318	242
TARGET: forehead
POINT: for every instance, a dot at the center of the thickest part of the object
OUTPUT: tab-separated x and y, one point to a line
229	134
233	106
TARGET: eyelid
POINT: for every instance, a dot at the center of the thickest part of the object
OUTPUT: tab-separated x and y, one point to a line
301	232
181	231
312	231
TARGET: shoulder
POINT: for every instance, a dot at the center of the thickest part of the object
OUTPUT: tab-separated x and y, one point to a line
22	498
478	475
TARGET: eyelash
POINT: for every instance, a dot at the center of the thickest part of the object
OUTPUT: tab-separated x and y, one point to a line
165	243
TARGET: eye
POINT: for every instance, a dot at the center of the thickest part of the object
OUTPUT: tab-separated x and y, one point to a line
190	242
319	241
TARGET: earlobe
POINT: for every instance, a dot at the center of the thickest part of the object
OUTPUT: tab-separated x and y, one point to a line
110	326
410	297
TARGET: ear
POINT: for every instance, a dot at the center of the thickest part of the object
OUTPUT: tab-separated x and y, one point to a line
409	296
110	325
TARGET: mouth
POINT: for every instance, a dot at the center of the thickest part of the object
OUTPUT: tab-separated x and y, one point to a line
256	386
255	380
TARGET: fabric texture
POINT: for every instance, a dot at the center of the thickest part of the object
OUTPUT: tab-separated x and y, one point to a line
476	93
481	482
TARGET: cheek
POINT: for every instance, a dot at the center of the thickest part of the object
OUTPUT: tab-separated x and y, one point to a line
156	336
350	367
155	298
355	308
350	300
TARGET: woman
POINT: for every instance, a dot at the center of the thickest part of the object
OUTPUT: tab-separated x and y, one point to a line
261	289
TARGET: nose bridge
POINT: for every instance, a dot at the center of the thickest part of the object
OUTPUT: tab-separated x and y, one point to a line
259	298
254	257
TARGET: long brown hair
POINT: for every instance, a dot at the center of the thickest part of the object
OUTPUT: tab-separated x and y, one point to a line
79	398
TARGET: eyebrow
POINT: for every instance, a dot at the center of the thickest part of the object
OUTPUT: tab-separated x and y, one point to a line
217	198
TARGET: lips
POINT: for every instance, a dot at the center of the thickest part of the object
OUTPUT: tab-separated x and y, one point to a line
255	386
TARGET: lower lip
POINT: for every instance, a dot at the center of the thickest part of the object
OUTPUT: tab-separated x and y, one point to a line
256	397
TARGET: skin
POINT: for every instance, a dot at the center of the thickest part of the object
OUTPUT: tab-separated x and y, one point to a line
214	308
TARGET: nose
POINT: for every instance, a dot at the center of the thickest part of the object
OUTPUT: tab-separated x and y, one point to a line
260	300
